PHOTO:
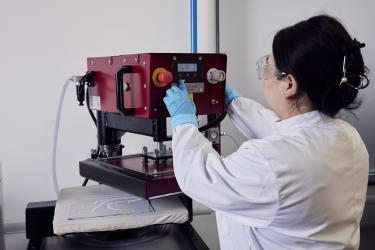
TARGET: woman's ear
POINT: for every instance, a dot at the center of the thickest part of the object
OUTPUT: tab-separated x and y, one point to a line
289	86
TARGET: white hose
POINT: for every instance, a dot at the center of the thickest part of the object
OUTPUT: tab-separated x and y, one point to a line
56	134
232	138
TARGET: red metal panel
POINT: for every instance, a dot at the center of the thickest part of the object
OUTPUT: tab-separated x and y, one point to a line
144	96
161	187
159	177
146	169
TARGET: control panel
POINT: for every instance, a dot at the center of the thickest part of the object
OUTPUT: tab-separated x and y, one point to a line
136	84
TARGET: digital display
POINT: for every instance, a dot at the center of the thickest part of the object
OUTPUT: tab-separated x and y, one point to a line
187	67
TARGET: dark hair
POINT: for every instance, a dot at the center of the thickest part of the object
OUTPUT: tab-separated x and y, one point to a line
313	52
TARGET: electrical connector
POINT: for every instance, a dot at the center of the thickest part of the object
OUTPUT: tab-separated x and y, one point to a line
76	79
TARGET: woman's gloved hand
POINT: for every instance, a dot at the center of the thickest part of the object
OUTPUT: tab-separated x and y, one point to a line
180	106
230	94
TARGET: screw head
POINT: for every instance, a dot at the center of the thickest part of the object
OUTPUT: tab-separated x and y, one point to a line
214	135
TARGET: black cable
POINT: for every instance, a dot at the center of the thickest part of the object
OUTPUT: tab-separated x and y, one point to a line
213	123
85	182
88	107
88	79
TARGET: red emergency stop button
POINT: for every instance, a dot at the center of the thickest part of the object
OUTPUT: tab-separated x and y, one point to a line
162	77
165	77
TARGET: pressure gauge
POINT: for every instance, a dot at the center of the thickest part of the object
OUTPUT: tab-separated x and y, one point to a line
215	75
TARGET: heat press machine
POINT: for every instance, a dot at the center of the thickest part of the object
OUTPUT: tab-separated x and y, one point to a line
126	92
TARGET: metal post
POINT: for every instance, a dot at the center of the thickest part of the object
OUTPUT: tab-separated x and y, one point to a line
193	26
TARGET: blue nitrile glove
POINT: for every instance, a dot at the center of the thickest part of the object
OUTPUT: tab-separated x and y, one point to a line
230	94
180	106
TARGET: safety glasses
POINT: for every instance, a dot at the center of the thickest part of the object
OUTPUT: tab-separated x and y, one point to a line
267	71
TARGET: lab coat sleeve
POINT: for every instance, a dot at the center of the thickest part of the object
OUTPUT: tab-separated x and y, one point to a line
252	119
241	186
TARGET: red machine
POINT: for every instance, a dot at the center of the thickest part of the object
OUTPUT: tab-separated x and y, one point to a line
136	84
127	93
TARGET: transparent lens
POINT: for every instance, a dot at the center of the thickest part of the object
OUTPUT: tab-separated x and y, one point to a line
268	72
264	70
261	67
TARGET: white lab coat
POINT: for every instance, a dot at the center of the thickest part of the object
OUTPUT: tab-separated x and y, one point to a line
299	183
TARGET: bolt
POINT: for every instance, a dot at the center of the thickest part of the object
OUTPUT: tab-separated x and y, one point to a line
145	108
144	150
213	135
126	86
145	85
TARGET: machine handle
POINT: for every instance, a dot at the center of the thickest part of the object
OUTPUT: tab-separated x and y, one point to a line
120	90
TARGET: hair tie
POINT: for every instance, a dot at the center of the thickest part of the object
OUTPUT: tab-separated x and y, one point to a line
346	79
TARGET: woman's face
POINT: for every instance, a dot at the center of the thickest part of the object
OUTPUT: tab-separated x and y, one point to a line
272	88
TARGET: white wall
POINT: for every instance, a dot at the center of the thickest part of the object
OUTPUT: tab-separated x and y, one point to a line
247	30
44	42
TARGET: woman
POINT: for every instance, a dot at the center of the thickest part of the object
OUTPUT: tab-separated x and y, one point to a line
300	180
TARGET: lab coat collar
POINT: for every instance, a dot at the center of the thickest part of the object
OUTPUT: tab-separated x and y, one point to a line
303	120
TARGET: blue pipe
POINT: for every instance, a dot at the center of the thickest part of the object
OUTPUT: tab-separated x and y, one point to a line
193	26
